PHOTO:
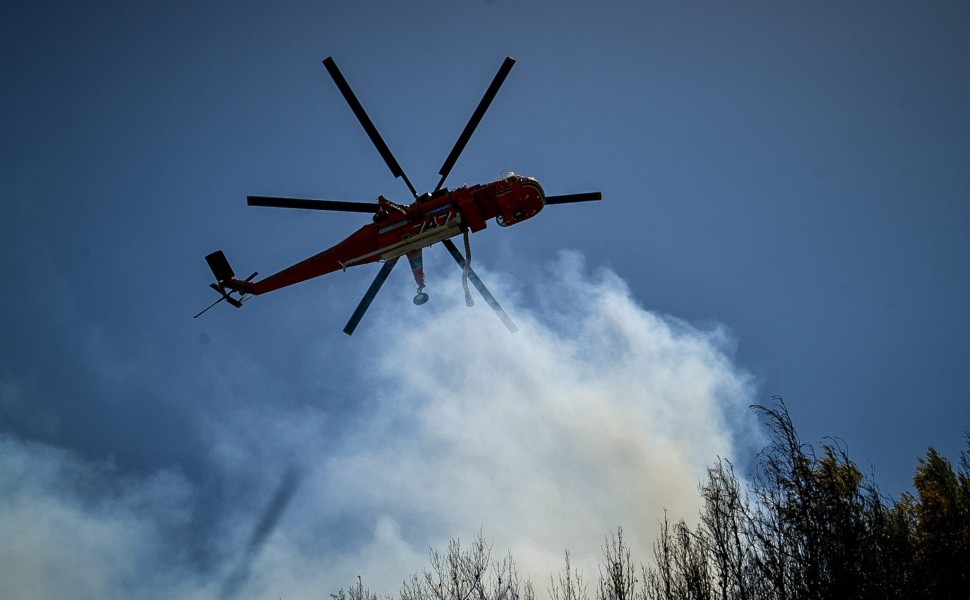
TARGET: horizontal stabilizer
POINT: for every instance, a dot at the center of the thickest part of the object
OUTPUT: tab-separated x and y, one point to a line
226	296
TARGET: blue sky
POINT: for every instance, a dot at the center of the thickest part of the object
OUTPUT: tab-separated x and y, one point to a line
785	213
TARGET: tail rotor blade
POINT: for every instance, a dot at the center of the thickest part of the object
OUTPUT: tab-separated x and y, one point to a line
206	309
368	125
570	198
365	302
336	205
473	277
490	93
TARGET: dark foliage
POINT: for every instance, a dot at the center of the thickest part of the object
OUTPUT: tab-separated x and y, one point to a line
813	526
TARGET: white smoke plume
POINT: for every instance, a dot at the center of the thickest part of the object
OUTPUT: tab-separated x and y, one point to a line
598	413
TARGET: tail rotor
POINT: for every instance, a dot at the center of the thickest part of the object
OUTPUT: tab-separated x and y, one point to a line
219	265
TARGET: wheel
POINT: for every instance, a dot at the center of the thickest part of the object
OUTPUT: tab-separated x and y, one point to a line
420	299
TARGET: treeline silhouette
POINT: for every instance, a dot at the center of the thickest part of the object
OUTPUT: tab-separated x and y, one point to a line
809	525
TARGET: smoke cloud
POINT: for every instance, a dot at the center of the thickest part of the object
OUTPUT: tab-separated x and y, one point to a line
598	413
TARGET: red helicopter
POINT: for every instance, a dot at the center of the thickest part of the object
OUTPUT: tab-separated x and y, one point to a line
402	230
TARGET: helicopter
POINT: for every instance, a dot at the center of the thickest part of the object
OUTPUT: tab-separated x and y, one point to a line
402	230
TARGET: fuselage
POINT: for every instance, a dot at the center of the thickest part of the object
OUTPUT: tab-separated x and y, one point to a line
430	219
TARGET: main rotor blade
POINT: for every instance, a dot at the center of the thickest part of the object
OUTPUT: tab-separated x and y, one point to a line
503	72
375	287
569	198
361	114
489	298
338	205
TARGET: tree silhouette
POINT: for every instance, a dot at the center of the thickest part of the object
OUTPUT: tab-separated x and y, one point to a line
618	579
942	526
569	586
468	575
